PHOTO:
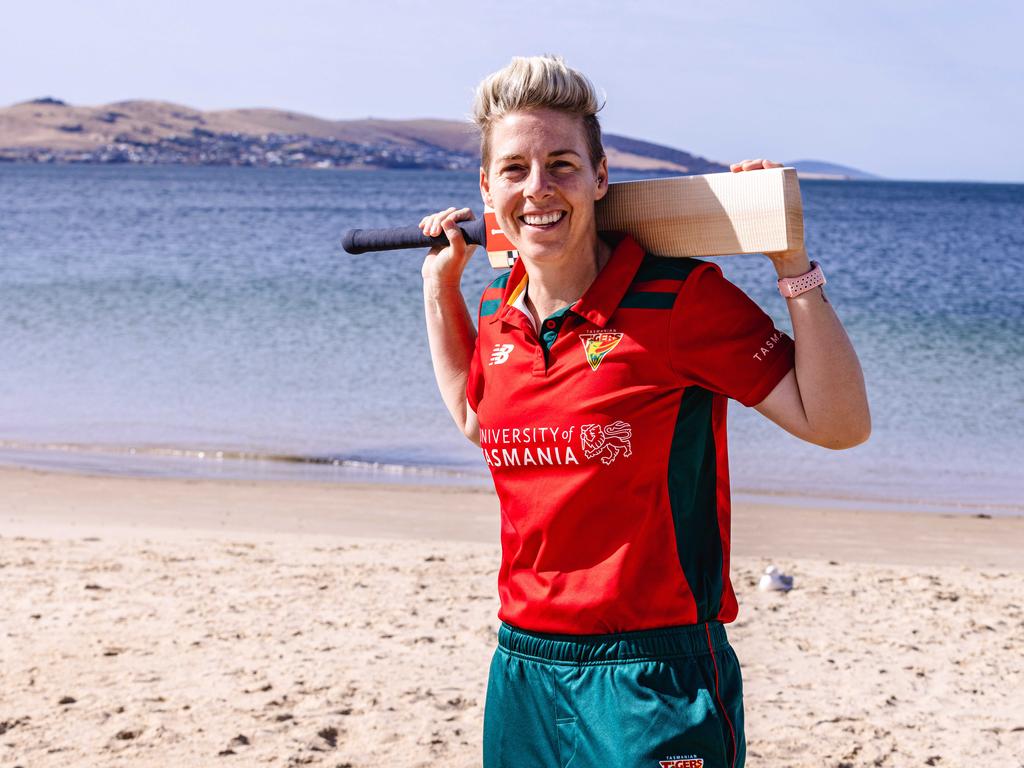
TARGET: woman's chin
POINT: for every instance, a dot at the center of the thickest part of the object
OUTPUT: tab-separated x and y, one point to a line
544	246
542	253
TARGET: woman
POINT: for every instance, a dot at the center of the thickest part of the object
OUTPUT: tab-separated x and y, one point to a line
597	387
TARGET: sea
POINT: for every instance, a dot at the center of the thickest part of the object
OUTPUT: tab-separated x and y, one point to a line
205	322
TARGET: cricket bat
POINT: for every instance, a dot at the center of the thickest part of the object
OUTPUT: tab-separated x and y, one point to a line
714	214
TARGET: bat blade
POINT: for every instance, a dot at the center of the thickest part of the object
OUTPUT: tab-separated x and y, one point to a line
715	214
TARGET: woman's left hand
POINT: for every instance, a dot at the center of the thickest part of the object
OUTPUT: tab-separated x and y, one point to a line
787	263
753	165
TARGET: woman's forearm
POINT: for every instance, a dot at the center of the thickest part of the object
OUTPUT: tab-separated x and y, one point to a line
452	337
828	372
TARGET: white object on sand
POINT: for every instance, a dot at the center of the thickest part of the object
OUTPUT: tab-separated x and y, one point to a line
775	580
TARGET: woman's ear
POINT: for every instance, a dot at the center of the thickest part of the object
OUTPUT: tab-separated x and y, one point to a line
602	179
485	188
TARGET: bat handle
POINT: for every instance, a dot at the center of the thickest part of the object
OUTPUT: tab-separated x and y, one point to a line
396	238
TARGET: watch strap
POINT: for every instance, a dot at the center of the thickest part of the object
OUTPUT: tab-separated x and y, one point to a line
794	286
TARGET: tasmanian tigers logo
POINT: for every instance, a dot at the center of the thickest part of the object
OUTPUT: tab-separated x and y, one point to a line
598	344
607	442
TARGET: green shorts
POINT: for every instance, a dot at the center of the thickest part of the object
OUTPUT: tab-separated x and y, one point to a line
662	698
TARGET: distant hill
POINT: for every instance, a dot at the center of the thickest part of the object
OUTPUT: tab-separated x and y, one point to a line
49	130
156	132
818	169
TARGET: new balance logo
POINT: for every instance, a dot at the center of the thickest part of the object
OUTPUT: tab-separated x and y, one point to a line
500	353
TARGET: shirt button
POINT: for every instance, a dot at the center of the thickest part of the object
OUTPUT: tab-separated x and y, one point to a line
550	324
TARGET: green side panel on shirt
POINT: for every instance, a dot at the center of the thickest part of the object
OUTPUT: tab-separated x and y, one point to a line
663	268
692	486
501	280
648	300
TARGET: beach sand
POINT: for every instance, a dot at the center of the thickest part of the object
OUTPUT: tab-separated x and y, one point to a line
152	622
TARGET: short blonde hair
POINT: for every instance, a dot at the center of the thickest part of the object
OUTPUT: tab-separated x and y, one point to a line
537	82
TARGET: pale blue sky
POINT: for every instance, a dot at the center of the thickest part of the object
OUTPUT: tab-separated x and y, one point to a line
917	90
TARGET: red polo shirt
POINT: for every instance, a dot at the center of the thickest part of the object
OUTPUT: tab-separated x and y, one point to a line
606	438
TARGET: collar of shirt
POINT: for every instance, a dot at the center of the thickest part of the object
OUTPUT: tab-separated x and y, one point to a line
599	301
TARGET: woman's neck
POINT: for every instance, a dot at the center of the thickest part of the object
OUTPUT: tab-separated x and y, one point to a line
553	286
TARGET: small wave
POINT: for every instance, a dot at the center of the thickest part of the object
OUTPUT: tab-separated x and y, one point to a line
253	464
148	460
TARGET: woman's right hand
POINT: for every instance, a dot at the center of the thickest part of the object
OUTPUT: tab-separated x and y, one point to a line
444	266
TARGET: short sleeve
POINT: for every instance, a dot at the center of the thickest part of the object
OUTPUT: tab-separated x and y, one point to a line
724	342
475	383
490	300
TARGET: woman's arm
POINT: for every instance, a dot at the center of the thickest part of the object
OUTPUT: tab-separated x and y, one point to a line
823	400
450	330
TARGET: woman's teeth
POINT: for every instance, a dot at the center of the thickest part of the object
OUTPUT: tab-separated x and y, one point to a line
547	218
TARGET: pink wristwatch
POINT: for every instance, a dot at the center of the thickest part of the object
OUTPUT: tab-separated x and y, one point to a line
794	286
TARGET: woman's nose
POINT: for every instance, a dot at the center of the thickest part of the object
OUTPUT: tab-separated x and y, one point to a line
538	183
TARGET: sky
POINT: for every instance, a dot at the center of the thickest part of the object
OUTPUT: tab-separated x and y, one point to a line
906	90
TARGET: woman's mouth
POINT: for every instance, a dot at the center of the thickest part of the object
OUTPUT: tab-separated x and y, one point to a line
542	220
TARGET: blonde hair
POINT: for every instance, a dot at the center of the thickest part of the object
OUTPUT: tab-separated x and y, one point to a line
537	82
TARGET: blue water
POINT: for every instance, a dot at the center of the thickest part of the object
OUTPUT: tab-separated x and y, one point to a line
150	315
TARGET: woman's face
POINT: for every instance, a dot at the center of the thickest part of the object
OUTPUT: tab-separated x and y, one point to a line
541	184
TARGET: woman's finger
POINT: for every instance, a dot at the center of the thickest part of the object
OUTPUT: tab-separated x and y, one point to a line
754	165
427	222
435	228
432	224
449	223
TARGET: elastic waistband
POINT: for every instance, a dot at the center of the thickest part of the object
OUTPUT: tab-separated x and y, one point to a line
665	642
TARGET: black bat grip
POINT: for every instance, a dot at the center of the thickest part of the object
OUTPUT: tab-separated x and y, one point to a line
363	240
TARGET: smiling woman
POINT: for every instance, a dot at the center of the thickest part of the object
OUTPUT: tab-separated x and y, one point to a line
597	385
543	187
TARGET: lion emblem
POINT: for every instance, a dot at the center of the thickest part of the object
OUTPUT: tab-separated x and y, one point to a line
607	442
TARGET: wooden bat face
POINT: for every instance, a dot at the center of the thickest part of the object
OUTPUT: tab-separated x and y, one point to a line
500	251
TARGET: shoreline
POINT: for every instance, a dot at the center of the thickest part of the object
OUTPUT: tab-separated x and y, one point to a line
253	465
62	505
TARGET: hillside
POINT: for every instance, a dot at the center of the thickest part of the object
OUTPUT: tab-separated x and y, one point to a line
156	132
819	169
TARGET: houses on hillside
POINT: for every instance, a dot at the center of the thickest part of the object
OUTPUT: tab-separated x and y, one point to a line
202	147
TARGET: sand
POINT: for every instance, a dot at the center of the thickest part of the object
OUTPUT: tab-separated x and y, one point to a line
189	623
